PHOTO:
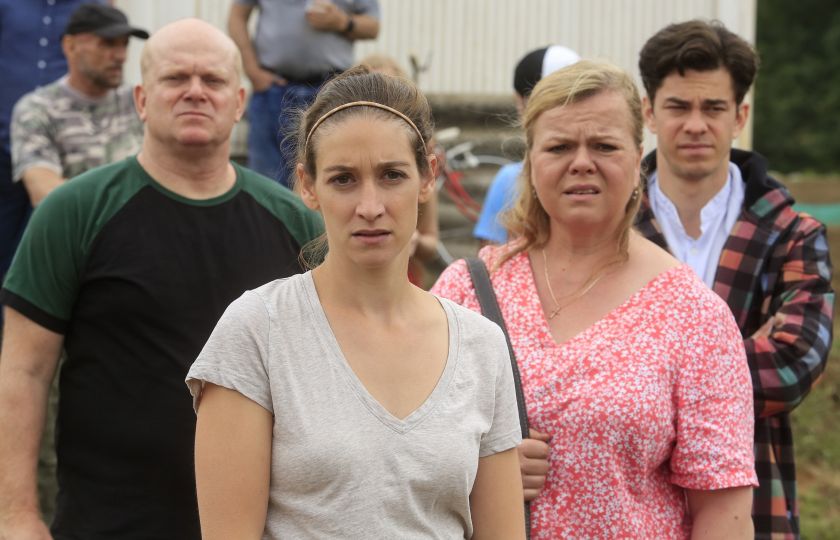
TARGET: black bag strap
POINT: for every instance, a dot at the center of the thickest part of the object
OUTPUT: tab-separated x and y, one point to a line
490	309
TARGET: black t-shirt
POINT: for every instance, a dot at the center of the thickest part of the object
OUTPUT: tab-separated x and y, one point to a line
136	277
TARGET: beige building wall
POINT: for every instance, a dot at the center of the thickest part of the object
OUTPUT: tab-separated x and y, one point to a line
469	47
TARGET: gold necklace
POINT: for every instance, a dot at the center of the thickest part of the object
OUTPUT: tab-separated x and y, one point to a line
585	288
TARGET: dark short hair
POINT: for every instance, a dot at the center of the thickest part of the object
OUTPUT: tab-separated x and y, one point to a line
700	46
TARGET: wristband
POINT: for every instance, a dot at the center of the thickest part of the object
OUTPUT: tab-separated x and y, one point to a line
351	25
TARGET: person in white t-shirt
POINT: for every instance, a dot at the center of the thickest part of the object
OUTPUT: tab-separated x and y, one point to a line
346	402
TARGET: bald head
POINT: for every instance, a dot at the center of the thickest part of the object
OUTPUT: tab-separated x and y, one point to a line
184	36
191	94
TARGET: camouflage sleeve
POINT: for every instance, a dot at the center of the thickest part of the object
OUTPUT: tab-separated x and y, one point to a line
32	138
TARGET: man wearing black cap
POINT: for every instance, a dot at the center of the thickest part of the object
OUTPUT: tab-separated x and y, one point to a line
85	119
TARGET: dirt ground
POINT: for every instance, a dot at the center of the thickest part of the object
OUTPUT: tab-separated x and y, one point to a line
823	190
820	191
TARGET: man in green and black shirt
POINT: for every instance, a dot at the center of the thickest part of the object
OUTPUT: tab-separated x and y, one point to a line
128	268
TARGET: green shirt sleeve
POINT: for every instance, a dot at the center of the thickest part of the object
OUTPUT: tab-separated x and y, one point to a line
48	268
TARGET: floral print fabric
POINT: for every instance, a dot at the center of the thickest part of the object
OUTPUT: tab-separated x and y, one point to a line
653	398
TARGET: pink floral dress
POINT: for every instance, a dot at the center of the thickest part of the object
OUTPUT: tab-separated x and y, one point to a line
652	399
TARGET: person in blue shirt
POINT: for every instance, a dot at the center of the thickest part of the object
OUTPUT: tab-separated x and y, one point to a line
502	192
297	46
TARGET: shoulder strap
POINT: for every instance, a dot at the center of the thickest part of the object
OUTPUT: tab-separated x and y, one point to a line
490	309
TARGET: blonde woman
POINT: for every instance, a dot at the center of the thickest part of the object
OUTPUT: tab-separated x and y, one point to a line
634	373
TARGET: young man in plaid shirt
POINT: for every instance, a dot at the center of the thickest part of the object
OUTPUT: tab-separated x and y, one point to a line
716	209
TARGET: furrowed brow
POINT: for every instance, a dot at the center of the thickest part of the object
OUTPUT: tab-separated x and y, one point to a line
337	168
676	101
715	103
389	164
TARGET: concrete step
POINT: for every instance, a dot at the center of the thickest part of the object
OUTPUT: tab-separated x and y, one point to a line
484	111
506	142
490	123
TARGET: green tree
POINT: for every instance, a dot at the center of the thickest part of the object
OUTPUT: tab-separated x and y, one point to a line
797	95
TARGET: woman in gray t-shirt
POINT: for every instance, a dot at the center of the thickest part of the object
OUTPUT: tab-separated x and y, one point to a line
346	402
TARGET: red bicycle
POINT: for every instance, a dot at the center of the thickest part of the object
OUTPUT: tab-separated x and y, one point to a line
460	161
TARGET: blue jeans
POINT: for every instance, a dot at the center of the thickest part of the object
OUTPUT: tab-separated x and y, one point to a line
273	118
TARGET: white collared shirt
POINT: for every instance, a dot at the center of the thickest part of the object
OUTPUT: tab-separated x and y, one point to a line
716	221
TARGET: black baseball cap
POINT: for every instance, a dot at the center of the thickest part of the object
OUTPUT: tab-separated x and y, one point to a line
104	21
538	63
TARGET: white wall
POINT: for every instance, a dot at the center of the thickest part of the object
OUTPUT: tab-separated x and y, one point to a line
471	46
152	14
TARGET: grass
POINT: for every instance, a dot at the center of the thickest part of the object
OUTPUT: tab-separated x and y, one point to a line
817	441
816	438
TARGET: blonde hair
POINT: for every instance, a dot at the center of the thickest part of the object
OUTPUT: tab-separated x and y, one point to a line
527	220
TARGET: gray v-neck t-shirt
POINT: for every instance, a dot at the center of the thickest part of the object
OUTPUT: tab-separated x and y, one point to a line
342	465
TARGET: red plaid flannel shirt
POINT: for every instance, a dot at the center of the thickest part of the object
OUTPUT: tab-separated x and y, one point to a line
775	261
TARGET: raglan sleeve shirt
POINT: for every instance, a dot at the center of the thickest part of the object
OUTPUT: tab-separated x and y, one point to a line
43	281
